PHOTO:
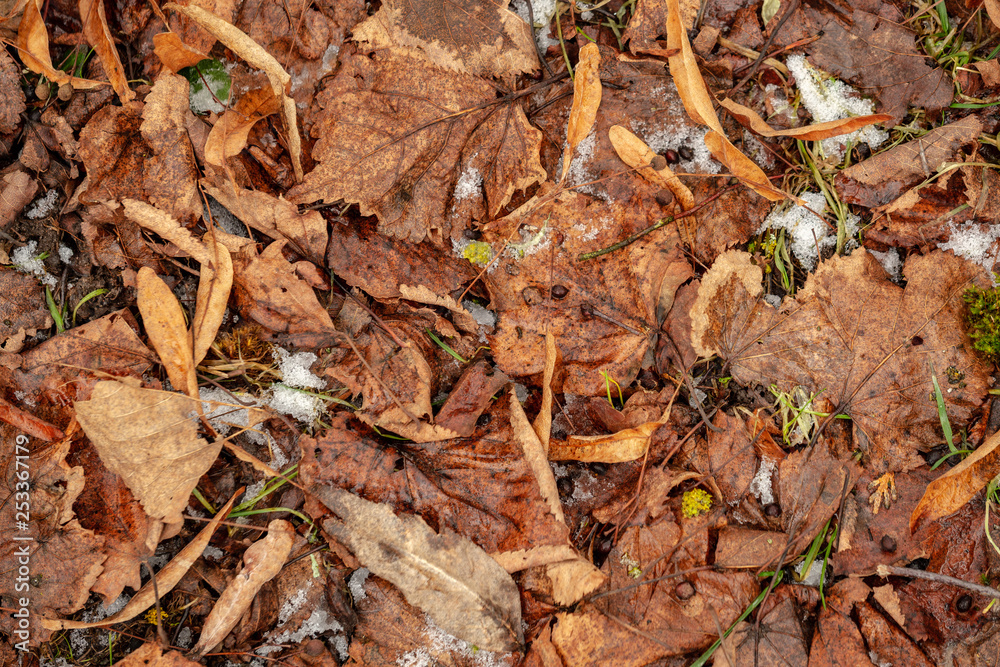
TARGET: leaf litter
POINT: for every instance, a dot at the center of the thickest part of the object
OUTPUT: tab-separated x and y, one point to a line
481	362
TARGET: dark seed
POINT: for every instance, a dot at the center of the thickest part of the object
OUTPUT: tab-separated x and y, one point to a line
659	162
599	468
888	544
916	340
313	648
685	153
684	590
559	291
484	420
671	156
473	234
772	510
602	548
664	197
565	486
964	603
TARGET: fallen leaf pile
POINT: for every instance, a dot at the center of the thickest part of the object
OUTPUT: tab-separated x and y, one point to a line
410	333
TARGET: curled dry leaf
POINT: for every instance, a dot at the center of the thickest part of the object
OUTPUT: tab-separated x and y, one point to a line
214	285
163	224
261	562
174	53
586	101
166	578
149	439
815	132
95	29
698	104
635	153
33	49
478	37
229	134
959	485
464	590
164	321
627	445
256	55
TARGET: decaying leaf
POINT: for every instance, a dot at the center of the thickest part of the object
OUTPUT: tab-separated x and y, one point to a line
698	104
166	578
214	286
471	35
586	101
254	53
150	439
95	29
171	175
958	485
164	321
399	136
815	132
867	344
261	562
464	590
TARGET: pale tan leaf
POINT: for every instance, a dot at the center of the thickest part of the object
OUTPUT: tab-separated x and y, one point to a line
534	454
214	285
573	580
261	562
543	421
33	49
175	54
993	11
698	104
252	52
155	220
956	487
166	578
151	654
586	100
423	294
454	581
150	439
889	599
815	132
164	321
522	559
95	29
626	445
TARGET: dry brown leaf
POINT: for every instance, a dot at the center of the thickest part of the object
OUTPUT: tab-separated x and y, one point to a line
166	578
543	421
472	36
993	11
957	486
627	445
261	562
163	318
464	590
150	439
95	29
18	190
174	53
214	285
166	226
815	132
698	104
22	310
170	177
229	134
33	49
256	55
151	655
10	87
866	343
278	218
586	100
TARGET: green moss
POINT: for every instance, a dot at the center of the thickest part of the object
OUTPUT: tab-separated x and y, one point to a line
983	319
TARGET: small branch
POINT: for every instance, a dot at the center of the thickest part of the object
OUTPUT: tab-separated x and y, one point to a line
885	570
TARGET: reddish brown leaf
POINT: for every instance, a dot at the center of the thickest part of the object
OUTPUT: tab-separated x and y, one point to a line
174	53
95	29
815	132
171	175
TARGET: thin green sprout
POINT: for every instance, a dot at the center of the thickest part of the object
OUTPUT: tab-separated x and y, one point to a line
444	346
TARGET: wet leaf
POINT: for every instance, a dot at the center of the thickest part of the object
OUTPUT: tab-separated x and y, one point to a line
469	36
150	439
450	578
398	135
868	345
